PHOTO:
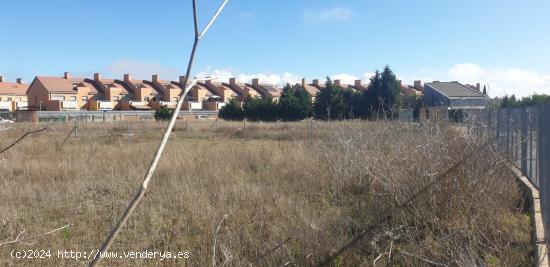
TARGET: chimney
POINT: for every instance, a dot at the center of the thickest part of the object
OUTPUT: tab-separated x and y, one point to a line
418	85
337	83
155	78
19	80
232	81
97	77
182	81
303	82
316	82
358	84
478	87
1	79
255	82
127	77
67	75
208	82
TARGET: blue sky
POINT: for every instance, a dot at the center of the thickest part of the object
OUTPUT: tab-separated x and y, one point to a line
502	43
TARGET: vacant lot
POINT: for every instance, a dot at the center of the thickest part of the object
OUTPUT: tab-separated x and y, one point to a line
343	193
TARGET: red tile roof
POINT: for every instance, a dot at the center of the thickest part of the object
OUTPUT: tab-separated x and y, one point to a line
8	88
143	84
312	90
57	84
112	83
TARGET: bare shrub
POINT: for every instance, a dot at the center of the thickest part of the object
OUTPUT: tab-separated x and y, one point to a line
285	199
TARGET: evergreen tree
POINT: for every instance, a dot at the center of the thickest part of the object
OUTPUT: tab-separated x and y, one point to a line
512	102
382	95
163	113
258	109
330	103
232	111
294	104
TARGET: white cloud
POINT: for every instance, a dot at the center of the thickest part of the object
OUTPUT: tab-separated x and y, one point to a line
367	76
344	78
502	81
280	80
141	69
334	14
217	74
267	78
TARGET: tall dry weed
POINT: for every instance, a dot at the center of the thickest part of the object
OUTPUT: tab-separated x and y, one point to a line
284	198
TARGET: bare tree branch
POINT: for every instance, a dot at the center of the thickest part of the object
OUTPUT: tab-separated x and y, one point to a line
423	259
17	240
271	250
216	240
137	198
21	138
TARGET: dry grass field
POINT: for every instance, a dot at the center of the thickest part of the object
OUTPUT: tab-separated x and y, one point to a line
343	194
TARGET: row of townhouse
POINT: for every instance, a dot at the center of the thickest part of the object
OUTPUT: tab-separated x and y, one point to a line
13	95
97	93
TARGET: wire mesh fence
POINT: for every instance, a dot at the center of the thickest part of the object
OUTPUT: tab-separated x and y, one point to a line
518	133
523	136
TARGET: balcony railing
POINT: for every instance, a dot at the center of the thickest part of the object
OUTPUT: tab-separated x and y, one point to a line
105	105
5	105
69	104
22	105
195	105
165	103
138	103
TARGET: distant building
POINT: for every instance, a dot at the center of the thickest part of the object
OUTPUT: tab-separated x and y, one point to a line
265	90
196	96
358	86
453	95
221	94
13	96
343	86
319	85
61	93
169	93
410	91
142	93
310	89
243	90
111	93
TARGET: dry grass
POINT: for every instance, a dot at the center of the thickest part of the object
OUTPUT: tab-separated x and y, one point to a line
276	187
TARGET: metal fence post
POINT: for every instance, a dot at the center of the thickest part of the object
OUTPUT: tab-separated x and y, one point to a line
508	137
543	159
311	132
497	126
244	127
523	139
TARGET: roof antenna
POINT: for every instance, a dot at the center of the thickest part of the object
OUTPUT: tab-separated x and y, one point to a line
137	198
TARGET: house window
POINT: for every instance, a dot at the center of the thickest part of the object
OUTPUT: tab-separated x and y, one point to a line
84	98
58	97
146	99
9	98
18	99
73	98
